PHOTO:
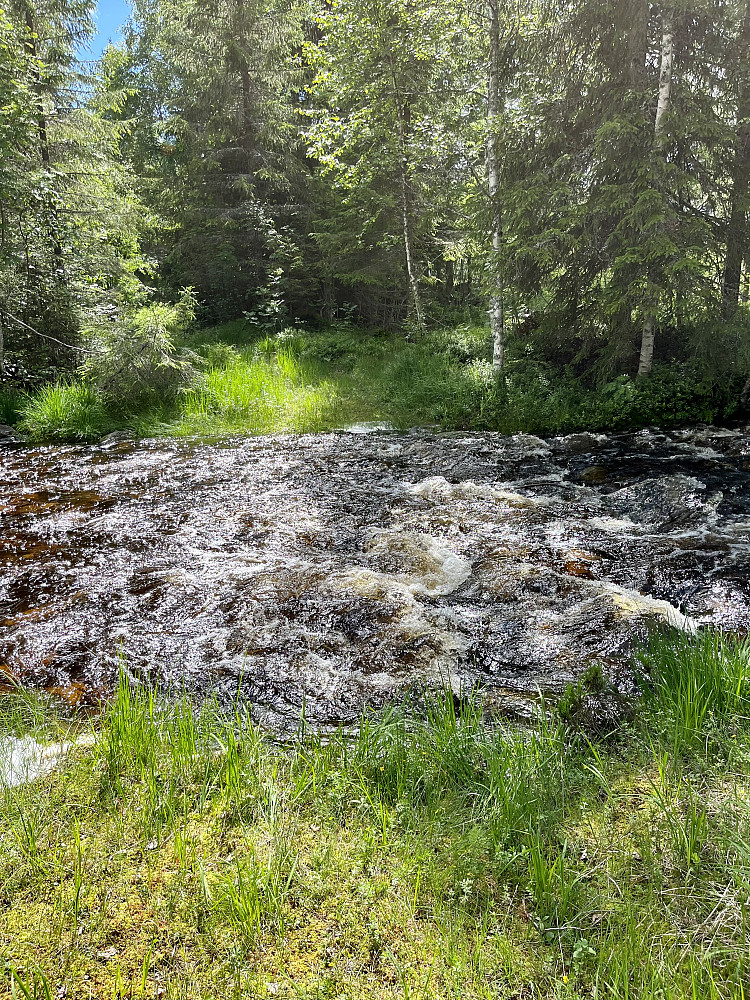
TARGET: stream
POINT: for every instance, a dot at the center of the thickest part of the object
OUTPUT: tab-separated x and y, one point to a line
333	571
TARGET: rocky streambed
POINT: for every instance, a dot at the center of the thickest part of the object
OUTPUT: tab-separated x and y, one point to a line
328	572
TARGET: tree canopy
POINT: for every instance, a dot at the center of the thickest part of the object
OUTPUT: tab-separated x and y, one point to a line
578	171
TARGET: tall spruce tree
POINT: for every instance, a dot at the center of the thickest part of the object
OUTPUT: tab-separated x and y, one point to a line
68	223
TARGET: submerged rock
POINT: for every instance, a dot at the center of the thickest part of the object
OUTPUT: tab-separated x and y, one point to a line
117	438
336	571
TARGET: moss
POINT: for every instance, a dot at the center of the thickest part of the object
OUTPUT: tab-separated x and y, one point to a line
430	856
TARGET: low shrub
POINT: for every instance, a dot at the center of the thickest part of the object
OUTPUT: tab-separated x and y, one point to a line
137	364
11	403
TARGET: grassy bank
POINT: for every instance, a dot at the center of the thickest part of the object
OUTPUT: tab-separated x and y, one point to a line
186	854
299	381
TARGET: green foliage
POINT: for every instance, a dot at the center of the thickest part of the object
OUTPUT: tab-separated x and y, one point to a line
10	406
65	412
572	705
280	158
697	685
211	112
135	361
303	381
71	220
268	389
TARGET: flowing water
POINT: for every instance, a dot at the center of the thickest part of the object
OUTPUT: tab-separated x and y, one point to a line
334	571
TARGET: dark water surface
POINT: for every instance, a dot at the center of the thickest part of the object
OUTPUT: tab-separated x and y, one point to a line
334	570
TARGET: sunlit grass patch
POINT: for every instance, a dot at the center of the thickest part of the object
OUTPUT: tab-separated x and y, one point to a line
65	411
260	394
697	685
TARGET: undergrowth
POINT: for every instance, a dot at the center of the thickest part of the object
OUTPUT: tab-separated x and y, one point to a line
425	854
297	381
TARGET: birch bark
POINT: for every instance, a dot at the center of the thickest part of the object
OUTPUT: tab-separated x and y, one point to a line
403	115
665	102
494	112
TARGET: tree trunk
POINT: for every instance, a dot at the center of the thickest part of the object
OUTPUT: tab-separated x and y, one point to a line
403	115
241	47
636	13
737	231
31	50
409	249
494	111
665	102
41	118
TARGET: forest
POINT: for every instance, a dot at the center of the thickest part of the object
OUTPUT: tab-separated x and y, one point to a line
375	500
522	216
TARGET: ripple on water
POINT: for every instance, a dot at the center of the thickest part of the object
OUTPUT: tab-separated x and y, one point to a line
334	570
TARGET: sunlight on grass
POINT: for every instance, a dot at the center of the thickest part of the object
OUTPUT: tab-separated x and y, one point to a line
425	848
299	381
260	394
65	412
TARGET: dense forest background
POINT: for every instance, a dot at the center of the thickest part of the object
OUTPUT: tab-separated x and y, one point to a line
574	177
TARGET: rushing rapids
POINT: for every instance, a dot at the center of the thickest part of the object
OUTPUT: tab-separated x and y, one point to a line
332	571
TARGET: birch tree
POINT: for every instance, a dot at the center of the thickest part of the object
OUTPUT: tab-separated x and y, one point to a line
737	230
663	107
494	120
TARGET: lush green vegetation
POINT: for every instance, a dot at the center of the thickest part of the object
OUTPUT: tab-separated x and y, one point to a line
429	854
574	175
300	381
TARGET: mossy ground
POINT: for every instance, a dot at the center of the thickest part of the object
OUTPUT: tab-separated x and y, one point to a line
187	854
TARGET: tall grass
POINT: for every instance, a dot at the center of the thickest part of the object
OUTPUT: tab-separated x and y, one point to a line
65	412
696	684
259	394
428	852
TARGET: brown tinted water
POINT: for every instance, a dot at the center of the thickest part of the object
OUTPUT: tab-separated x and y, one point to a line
333	571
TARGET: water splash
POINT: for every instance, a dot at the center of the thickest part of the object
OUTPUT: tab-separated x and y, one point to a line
333	571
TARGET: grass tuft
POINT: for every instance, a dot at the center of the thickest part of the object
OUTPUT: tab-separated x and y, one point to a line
696	686
65	412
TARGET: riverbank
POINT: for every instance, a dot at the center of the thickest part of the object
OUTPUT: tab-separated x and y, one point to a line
186	854
300	381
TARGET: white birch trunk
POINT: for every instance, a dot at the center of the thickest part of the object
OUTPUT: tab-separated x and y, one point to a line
665	102
494	110
402	112
409	249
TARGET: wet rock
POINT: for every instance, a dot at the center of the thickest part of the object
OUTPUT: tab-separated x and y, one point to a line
656	501
531	445
117	438
9	435
595	475
582	444
713	435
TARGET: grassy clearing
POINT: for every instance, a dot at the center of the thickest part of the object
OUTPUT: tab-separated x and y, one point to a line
423	856
299	381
